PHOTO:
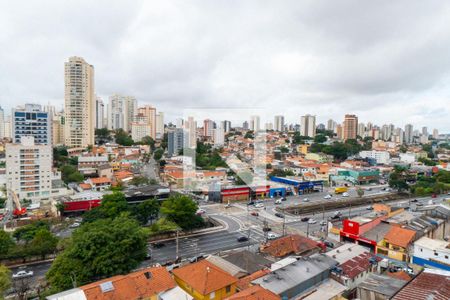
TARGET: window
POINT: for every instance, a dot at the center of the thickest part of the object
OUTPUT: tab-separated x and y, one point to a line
212	295
446	257
228	289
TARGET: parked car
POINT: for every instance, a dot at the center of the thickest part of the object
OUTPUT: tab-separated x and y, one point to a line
312	221
265	229
414	200
279	215
304	219
23	274
306	200
327	196
259	205
251	203
369	189
345	194
329	244
323	222
159	245
242	239
278	201
254	213
271	236
283	198
419	204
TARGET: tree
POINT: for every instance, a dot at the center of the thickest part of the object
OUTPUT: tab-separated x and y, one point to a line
157	155
360	192
103	133
60	207
249	135
43	243
100	249
145	211
182	210
27	233
112	206
69	173
6	243
147	140
320	138
139	180
284	150
397	179
5	280
123	138
281	173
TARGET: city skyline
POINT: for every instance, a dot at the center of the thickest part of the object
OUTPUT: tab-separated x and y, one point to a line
312	75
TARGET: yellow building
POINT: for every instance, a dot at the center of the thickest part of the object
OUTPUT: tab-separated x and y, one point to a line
205	281
396	242
303	149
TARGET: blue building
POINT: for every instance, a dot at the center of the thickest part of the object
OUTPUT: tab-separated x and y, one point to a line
176	141
31	120
301	187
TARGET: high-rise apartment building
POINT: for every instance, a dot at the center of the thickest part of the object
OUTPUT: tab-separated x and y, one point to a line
279	123
308	126
7	127
350	127
339	132
176	141
425	131
139	130
99	113
361	129
31	120
2	123
79	105
208	128
409	135
435	134
255	123
29	169
190	140
331	125
149	112
159	125
58	129
121	112
219	136
245	125
226	125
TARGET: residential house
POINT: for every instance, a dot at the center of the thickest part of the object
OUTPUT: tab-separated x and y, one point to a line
99	183
429	284
431	253
144	284
204	281
228	267
289	245
255	292
396	243
379	287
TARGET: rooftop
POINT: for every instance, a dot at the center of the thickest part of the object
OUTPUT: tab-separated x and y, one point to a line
430	284
400	236
255	292
346	252
327	290
382	284
426	242
378	232
249	261
290	244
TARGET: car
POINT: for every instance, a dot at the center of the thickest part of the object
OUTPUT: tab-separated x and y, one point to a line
74	225
267	228
323	222
369	208
259	205
306	200
433	196
414	200
271	236
304	219
78	220
228	205
283	198
254	213
345	194
251	203
369	189
329	244
279	215
23	274
327	196
200	211
242	239
278	201
159	245
312	221
419	204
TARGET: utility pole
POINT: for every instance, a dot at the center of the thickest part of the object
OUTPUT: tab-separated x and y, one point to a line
176	258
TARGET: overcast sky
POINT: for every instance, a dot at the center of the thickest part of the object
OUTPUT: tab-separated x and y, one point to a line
386	61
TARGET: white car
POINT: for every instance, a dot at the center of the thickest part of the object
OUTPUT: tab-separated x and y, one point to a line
259	205
323	223
271	236
278	201
305	200
312	221
201	211
345	194
327	196
23	274
75	225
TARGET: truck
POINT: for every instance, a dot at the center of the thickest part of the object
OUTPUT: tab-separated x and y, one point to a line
341	189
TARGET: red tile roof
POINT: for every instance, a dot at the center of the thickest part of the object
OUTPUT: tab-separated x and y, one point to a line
402	275
244	282
255	292
100	180
204	277
138	285
358	264
427	285
291	244
400	236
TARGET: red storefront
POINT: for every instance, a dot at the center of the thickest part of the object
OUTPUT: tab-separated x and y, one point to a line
234	194
354	230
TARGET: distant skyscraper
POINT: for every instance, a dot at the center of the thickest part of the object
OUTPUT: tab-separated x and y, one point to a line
219	136
176	141
255	123
7	127
79	105
435	134
425	131
149	114
2	123
308	126
268	126
331	125
350	127
208	128
51	109
321	126
58	128
31	120
409	136
361	129
245	125
121	112
339	132
191	133
226	125
159	125
279	123
99	113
